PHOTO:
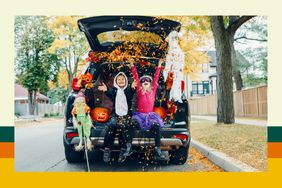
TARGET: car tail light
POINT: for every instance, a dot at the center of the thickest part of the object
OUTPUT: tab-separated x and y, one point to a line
180	136
71	135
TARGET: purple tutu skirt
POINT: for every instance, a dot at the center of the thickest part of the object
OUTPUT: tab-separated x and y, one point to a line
146	120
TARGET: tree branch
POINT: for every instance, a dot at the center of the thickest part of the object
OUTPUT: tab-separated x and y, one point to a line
238	22
247	38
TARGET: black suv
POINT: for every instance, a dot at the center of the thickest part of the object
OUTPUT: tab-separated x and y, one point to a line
101	34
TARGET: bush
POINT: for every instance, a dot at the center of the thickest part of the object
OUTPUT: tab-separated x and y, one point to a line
46	115
54	114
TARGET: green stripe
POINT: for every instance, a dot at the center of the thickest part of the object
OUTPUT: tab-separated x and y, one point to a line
6	134
274	134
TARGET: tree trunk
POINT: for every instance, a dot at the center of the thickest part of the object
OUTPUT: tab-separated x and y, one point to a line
76	60
69	73
31	101
238	80
225	110
236	72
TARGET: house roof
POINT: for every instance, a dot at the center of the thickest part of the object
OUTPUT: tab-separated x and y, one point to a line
22	93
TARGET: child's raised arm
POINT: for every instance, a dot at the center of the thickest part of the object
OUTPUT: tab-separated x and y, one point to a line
135	75
156	76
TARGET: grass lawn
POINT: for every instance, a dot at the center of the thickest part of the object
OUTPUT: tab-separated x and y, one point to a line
243	142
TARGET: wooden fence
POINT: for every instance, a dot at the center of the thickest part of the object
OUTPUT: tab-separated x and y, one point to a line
247	103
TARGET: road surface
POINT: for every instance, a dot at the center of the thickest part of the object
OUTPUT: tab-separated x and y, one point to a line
39	148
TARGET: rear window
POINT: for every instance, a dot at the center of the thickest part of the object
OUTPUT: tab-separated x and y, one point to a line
129	36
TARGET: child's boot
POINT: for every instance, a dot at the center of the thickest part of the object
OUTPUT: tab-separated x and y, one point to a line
107	155
122	157
128	151
159	155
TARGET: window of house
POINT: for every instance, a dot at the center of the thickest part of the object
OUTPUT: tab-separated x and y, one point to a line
200	88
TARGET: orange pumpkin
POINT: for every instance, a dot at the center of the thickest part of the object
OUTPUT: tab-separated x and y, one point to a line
100	114
161	112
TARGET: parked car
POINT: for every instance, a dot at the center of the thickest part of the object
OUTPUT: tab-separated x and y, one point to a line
101	34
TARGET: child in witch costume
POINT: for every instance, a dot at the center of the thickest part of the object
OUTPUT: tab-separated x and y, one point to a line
82	120
145	117
120	122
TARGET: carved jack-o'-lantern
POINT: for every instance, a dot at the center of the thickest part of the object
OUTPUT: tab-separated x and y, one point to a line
100	114
161	112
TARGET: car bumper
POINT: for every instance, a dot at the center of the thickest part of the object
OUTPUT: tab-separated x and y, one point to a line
166	143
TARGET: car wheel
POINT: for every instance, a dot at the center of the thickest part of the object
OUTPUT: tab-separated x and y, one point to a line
178	156
73	156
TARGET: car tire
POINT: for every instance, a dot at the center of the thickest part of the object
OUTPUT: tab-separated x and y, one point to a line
178	156
73	156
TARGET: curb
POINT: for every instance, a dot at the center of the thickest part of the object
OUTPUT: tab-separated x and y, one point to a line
222	160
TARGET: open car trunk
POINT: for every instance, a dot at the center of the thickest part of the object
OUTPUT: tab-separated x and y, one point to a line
110	26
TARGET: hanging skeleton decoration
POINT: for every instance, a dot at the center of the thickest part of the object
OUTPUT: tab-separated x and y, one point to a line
82	120
173	72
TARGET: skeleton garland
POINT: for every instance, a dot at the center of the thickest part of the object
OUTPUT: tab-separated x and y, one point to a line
173	71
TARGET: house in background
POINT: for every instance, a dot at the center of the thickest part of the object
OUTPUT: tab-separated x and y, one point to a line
21	101
205	83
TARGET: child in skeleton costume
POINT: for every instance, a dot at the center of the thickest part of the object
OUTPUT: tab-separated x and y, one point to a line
120	122
82	120
146	118
174	65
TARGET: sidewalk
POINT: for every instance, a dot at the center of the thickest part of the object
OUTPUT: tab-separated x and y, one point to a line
244	121
24	122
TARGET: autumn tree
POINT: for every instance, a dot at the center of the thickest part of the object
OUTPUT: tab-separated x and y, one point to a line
35	66
224	29
69	44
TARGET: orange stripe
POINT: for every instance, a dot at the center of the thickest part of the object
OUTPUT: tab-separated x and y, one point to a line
7	150
275	149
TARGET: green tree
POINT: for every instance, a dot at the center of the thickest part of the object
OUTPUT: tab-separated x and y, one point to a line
57	94
35	66
224	29
251	42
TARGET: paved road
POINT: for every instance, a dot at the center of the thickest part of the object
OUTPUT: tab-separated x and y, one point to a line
39	148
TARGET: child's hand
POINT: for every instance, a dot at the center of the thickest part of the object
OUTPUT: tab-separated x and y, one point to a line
103	87
160	62
134	84
131	61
